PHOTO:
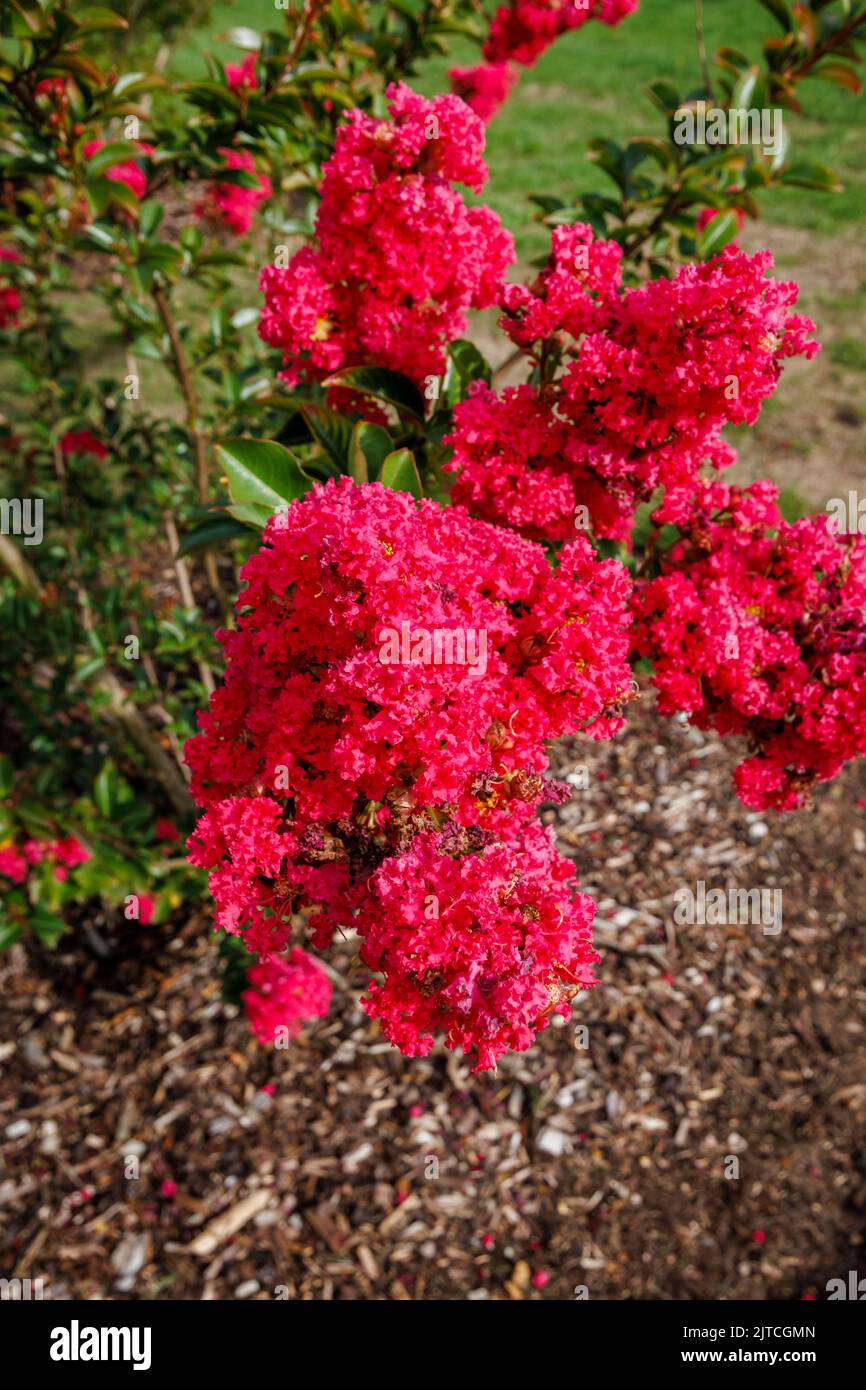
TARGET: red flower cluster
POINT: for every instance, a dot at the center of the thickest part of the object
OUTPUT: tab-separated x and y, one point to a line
10	299
519	33
83	442
399	257
509	944
652	376
395	673
231	204
241	77
756	628
484	87
283	994
17	861
128	172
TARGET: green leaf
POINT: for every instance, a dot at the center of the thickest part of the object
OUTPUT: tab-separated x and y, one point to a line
665	95
332	431
251	515
7	775
104	789
118	153
191	239
466	364
262	472
150	217
371	445
239	178
780	11
731	59
388	386
215	531
242	37
104	191
842	74
101	235
242	318
77	63
88	669
46	926
95	19
659	150
805	174
720	230
744	89
9	934
399	471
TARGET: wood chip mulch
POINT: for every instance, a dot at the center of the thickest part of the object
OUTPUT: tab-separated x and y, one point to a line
695	1131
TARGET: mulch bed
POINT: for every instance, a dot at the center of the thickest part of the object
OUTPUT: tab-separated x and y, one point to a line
151	1150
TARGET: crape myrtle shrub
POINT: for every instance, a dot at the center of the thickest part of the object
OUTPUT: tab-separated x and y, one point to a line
292	494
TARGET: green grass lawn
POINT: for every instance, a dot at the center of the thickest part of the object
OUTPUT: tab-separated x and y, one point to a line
591	83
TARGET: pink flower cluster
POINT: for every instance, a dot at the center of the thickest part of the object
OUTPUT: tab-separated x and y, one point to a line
757	628
83	442
485	87
241	77
651	376
10	299
399	258
284	993
519	33
65	854
509	946
352	780
128	172
230	204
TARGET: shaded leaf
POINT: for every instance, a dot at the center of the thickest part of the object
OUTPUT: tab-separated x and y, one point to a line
385	385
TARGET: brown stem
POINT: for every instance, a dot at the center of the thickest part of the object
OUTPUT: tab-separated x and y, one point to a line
800	70
20	569
186	594
308	18
505	366
118	711
200	443
702	48
644	234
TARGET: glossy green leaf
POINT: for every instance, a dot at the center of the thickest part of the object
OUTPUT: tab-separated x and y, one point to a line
388	386
262	472
400	471
371	445
719	231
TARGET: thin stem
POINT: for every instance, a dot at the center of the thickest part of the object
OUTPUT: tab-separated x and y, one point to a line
702	48
118	711
20	569
186	593
200	443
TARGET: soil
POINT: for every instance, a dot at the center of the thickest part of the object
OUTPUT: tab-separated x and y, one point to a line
695	1131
